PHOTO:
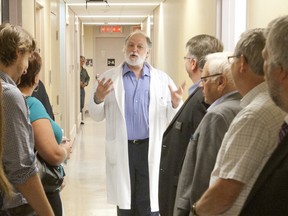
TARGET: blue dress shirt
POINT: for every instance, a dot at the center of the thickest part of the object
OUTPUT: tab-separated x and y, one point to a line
137	98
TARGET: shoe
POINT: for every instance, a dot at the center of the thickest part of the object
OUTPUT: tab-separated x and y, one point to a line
82	123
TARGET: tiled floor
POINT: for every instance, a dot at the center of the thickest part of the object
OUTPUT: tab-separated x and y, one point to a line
85	190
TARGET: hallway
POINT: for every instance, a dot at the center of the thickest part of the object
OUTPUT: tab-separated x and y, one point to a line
85	190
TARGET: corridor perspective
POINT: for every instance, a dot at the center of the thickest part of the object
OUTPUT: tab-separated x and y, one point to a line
85	190
73	36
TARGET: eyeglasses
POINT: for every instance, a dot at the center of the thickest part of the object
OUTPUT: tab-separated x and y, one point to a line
205	78
189	58
231	58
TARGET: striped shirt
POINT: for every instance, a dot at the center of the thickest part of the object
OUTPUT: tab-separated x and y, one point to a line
18	139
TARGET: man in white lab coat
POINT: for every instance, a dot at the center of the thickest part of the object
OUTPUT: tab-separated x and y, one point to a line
137	101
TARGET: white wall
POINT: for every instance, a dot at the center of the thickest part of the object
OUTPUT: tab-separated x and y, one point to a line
175	22
28	16
261	12
45	44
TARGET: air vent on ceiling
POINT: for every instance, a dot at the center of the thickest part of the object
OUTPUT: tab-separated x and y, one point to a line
106	1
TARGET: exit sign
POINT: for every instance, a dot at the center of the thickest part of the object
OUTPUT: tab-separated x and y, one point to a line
111	29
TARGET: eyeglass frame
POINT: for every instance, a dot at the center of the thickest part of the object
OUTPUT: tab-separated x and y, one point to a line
232	57
204	79
189	58
236	56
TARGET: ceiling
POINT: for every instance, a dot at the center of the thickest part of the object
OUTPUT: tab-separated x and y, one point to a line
114	12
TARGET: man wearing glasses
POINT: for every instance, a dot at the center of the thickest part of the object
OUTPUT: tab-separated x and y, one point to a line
251	137
220	93
181	128
269	194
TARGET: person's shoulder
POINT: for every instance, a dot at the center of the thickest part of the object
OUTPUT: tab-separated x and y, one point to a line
34	102
83	70
11	93
155	70
32	99
231	100
262	110
263	101
226	110
158	72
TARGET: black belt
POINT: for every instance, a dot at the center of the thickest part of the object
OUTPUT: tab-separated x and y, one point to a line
139	141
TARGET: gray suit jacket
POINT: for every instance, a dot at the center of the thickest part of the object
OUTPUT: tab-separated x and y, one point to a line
202	152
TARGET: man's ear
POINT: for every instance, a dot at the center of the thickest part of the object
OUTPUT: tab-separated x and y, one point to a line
222	81
148	53
243	63
194	64
283	74
17	52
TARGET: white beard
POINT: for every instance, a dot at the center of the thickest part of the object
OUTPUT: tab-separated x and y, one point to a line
134	62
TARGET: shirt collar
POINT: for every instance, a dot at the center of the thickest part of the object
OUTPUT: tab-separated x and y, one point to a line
145	69
246	100
194	87
6	78
219	100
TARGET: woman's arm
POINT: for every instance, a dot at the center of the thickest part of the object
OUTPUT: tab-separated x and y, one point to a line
46	144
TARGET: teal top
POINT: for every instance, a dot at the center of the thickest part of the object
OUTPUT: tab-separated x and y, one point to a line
38	111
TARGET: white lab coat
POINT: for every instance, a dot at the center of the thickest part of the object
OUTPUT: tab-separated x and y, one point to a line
113	110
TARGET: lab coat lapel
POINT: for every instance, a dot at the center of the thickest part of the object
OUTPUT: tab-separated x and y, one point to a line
119	91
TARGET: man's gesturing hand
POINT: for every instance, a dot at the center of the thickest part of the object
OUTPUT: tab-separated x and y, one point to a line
102	90
176	96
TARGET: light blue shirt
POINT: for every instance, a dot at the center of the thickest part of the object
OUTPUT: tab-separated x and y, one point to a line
137	98
193	87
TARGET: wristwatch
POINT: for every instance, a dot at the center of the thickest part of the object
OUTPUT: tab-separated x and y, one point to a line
194	210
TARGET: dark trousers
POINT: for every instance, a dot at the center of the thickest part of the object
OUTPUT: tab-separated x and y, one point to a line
55	202
82	98
139	178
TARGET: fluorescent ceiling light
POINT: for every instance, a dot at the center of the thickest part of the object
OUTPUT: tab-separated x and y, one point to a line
112	16
113	4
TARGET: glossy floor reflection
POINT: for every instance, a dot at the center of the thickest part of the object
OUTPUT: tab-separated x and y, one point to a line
85	190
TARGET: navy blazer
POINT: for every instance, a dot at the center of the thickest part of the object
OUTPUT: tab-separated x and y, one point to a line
269	195
174	145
